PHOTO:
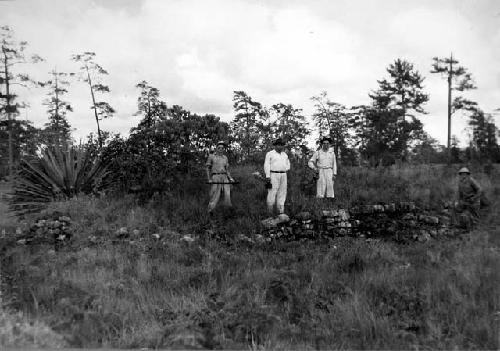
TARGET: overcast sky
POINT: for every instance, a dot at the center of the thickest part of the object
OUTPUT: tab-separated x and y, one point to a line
198	52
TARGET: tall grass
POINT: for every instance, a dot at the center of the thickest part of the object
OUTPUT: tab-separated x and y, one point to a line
347	293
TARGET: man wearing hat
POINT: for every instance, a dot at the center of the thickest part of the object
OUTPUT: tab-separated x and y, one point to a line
324	162
276	165
469	195
218	175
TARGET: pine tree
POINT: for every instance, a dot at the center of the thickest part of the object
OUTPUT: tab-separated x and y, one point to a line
248	123
334	120
92	73
12	53
150	106
25	138
458	79
57	130
404	90
483	135
403	93
288	123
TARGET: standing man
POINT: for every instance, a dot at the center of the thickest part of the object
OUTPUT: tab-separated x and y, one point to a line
324	162
218	175
276	165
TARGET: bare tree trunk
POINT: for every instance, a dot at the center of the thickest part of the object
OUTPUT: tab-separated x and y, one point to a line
404	154
9	113
99	138
11	156
248	129
58	136
450	74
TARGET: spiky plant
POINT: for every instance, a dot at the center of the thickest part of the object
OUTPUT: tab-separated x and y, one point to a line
57	175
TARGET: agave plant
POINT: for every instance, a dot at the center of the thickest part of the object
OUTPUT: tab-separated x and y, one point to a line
57	175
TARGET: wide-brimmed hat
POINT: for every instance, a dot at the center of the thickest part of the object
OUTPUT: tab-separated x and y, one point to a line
221	143
279	141
464	170
325	139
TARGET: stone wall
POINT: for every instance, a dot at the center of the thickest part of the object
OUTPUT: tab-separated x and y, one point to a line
400	221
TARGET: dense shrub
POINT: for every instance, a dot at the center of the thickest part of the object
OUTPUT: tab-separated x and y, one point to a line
58	174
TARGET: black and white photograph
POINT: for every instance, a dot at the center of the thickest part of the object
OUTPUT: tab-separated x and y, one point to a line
250	174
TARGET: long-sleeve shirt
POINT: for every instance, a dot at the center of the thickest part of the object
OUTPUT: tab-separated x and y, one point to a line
276	161
216	163
323	159
469	189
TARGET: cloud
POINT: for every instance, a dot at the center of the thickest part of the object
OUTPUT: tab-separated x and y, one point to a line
198	52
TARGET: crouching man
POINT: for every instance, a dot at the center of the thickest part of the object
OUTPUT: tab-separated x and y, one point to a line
469	196
218	175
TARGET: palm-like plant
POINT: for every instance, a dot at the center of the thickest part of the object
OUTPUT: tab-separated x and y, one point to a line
58	174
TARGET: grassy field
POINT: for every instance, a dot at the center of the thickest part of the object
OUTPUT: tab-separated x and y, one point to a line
136	291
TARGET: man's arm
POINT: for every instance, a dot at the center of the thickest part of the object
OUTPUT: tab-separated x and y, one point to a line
227	171
312	161
477	188
267	165
334	165
287	162
208	165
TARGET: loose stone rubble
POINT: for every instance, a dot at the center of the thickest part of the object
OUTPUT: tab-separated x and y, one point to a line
54	229
402	221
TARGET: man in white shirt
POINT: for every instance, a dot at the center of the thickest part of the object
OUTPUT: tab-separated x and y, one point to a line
325	163
276	165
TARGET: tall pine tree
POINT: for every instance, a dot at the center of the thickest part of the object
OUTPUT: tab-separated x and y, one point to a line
334	120
458	79
287	123
248	123
403	92
58	130
12	53
150	106
484	136
92	73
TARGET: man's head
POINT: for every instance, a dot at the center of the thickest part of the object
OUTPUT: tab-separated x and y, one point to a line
219	149
464	173
304	149
279	145
325	143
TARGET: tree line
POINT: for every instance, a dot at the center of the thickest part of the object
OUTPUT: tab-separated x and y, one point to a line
386	130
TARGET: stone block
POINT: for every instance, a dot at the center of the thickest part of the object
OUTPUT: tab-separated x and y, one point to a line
303	216
330	213
390	207
428	219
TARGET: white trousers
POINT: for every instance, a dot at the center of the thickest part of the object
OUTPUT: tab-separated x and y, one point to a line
324	186
277	194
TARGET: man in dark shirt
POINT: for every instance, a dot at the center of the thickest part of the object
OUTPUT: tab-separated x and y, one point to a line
308	176
218	175
469	195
